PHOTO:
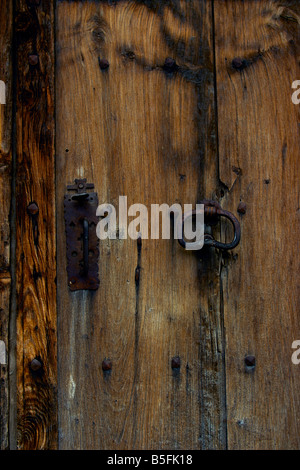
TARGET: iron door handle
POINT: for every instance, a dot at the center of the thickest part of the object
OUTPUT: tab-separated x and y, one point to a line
212	212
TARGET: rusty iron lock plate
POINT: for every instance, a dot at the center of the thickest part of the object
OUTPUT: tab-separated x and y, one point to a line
82	241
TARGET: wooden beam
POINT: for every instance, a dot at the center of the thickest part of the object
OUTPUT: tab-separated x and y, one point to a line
5	199
35	232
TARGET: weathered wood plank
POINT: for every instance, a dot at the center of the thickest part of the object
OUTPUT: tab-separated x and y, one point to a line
257	59
4	376
5	198
35	233
139	130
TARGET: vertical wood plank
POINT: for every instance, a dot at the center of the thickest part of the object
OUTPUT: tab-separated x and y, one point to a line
5	197
257	59
139	130
35	233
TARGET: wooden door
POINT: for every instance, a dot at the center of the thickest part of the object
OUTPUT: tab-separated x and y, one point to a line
162	102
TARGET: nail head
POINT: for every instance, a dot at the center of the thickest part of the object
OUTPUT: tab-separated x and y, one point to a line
103	63
33	59
250	361
35	365
106	365
33	209
238	63
169	64
175	363
242	208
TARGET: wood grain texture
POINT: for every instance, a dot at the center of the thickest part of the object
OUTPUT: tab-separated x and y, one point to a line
5	197
257	59
35	256
135	129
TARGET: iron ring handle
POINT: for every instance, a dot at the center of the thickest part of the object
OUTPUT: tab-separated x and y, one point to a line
237	232
208	239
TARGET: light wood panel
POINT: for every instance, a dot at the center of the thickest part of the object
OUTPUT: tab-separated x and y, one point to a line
257	59
139	130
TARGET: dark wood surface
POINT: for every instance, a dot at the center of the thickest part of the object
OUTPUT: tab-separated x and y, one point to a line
220	125
5	199
35	234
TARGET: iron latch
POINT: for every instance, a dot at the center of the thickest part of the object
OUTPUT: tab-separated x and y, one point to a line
82	241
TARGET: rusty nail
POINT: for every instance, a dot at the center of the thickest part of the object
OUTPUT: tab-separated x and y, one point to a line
103	63
250	361
35	365
242	208
175	362
169	64
33	59
106	365
32	209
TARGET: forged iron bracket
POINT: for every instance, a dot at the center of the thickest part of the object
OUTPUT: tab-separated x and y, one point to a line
82	241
